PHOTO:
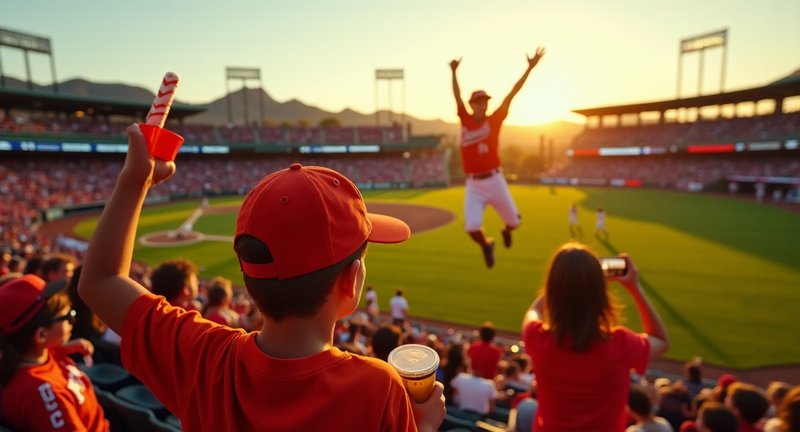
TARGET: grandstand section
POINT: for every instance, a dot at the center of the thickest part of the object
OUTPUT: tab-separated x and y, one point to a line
61	155
723	142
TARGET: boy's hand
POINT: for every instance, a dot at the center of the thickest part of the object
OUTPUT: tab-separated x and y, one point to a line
429	415
140	165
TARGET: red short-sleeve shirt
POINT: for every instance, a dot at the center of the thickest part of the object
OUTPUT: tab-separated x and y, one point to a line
585	391
484	358
216	378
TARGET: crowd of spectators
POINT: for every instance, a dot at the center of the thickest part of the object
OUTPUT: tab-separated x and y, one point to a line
35	182
95	127
677	171
490	382
758	128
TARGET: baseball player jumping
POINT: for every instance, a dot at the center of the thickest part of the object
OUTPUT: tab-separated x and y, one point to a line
485	181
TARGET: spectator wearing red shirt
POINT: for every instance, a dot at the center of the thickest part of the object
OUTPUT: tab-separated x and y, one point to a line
301	237
41	388
485	355
581	357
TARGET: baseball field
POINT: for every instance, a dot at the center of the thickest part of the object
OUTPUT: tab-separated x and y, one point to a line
723	273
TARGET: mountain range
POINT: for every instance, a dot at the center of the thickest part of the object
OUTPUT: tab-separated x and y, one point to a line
294	111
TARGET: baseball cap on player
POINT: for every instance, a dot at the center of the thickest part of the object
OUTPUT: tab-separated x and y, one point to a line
310	218
479	94
22	298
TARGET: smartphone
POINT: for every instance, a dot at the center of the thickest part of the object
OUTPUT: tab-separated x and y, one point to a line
614	266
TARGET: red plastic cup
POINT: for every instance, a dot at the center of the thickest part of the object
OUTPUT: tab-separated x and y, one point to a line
161	143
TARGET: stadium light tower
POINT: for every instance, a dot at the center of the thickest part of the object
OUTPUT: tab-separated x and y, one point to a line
27	43
244	74
701	43
390	75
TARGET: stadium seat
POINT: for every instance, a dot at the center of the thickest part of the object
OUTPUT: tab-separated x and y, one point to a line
491	427
174	421
157	425
124	416
500	414
109	377
140	395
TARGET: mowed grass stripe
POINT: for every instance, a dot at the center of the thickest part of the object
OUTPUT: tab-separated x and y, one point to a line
723	273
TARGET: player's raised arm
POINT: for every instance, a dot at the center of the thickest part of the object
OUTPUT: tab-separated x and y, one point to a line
456	89
532	61
104	284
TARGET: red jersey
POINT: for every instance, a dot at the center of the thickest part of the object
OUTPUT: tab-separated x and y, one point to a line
55	395
585	391
216	378
484	358
479	141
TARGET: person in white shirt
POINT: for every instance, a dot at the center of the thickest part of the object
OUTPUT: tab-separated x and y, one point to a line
469	392
575	230
600	224
371	299
399	307
641	409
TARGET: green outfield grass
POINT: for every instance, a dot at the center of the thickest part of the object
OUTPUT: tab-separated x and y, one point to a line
724	274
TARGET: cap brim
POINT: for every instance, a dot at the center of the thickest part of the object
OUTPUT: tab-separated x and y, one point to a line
387	229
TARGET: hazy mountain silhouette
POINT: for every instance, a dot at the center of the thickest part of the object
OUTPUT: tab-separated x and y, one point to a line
293	111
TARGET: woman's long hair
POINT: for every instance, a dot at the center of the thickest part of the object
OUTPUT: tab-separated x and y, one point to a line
577	303
14	345
454	365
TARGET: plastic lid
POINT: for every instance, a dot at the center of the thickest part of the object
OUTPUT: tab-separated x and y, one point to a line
414	361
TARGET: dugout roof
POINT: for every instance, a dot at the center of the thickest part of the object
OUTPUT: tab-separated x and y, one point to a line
39	100
786	87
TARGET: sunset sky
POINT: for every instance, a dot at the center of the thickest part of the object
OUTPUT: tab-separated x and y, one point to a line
325	53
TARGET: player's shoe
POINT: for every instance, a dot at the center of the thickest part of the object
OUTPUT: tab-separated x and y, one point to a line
506	238
488	252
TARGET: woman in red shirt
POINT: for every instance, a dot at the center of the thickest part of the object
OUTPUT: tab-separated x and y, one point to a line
581	356
41	388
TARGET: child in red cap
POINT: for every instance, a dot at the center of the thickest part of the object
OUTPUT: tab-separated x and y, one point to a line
40	387
301	239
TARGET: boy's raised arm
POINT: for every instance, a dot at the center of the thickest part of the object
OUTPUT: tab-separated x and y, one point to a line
104	284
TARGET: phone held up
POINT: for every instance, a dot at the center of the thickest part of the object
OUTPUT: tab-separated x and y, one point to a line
614	266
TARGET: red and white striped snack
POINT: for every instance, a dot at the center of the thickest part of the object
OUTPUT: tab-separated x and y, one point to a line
163	101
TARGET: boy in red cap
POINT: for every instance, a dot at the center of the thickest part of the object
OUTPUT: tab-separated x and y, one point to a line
301	237
40	387
479	156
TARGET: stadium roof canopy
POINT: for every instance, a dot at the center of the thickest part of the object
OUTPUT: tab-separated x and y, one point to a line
786	87
48	101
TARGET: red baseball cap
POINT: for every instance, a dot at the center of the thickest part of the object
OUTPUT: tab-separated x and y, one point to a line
479	94
310	218
22	298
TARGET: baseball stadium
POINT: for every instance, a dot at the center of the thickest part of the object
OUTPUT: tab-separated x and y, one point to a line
701	192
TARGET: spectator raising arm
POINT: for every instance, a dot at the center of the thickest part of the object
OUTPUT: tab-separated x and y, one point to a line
104	284
651	321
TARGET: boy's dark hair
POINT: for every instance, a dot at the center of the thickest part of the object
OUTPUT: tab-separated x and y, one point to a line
170	277
639	402
751	402
55	262
487	332
384	340
300	296
717	418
